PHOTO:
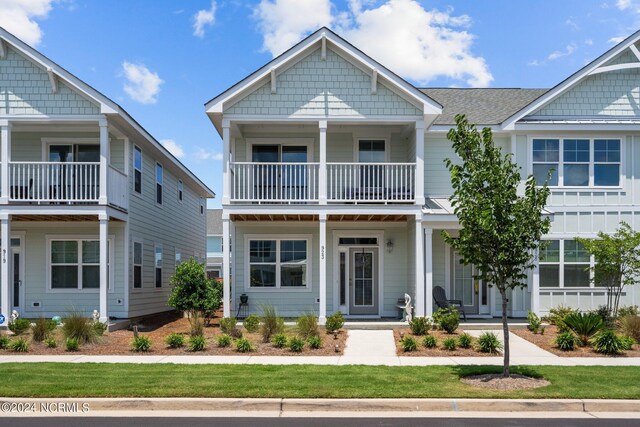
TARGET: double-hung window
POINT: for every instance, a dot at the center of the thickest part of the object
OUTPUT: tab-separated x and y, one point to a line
137	169
278	263
564	263
137	265
158	266
180	190
159	178
577	162
75	264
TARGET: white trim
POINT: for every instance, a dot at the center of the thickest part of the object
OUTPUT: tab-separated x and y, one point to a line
362	137
22	251
307	142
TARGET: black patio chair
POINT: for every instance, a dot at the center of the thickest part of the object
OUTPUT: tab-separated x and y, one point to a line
441	300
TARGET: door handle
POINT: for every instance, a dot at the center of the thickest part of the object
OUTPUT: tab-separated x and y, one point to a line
19	282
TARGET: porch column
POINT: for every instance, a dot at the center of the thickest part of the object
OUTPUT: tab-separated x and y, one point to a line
226	148
104	260
419	177
535	286
322	172
104	160
226	266
322	314
428	270
5	246
5	153
419	303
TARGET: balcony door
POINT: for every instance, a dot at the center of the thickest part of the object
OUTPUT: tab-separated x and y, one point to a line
283	173
372	154
68	180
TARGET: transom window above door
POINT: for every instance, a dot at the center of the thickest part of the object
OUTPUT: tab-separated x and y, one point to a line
371	151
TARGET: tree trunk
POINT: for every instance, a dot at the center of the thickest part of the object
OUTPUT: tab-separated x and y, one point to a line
505	333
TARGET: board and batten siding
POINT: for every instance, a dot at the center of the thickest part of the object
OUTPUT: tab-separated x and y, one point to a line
177	226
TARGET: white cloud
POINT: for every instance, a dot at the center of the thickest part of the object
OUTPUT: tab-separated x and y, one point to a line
173	147
203	155
588	42
19	18
557	54
623	4
616	40
142	85
572	24
204	18
419	44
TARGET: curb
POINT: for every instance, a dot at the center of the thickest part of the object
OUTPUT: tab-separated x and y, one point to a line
324	405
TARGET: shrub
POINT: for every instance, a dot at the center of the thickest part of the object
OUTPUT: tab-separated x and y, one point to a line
449	344
227	324
192	292
627	343
41	329
100	328
307	326
72	344
604	313
420	325
50	343
271	323
430	341
607	342
334	322
174	340
630	325
566	341
197	343
243	345
449	320
296	344
4	342
488	342
19	345
196	325
314	341
629	310
252	323
78	327
408	344
559	313
141	344
584	325
19	326
465	340
236	332
534	322
224	340
279	340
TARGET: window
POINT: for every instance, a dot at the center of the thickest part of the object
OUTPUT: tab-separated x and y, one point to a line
214	246
158	266
278	263
180	190
564	263
137	169
578	162
137	265
159	174
75	264
201	205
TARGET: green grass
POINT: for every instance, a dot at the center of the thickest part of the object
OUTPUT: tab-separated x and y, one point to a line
166	380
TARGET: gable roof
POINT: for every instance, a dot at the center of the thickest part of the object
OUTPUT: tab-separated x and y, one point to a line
481	106
107	106
572	80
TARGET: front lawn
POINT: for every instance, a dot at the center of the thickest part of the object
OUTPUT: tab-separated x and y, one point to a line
302	381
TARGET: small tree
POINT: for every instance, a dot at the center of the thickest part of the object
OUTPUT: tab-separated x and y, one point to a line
617	262
192	292
501	229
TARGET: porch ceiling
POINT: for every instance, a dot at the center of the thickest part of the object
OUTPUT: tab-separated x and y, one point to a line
315	218
57	218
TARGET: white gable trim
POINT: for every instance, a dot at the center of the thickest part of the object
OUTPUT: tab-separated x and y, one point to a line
571	81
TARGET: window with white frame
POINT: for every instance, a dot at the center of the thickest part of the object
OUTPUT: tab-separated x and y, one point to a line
278	263
137	169
178	257
159	178
201	205
158	266
577	162
75	264
180	190
564	263
137	265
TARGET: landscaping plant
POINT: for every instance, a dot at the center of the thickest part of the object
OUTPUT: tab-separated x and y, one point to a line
627	342
279	340
629	310
41	329
465	340
488	342
430	341
296	344
607	342
449	344
534	322
19	345
141	344
334	322
314	341
223	340
227	324
251	323
174	340
19	326
449	319
307	326
408	344
584	325
630	325
271	323
196	325
4	342
78	327
420	325
566	341
50	343
243	345
100	328
197	343
72	344
192	292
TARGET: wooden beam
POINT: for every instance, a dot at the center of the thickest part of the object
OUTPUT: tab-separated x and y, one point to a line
53	79
273	81
615	68
635	51
374	81
323	49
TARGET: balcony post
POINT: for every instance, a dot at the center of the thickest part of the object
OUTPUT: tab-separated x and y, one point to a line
104	259
104	160
5	153
226	266
322	172
420	272
419	173
226	147
322	312
5	263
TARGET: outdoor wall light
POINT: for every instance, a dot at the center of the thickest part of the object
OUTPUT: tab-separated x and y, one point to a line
337	348
389	245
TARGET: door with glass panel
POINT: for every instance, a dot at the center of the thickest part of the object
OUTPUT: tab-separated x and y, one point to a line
16	294
371	155
363	281
464	287
68	180
282	172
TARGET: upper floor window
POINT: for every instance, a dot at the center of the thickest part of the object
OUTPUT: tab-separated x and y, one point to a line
180	190
577	162
202	205
137	170
159	176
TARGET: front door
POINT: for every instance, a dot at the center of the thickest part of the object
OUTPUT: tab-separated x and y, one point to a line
16	280
363	281
465	288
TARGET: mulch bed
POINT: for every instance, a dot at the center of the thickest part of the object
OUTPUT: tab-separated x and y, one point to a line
498	382
119	342
546	342
438	351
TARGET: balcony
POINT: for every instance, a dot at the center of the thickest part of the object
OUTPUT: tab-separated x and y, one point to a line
300	183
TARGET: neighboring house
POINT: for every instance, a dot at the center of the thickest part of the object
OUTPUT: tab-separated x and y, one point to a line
335	189
94	212
214	243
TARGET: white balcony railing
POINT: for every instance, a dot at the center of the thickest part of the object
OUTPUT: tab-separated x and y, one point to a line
274	182
54	181
118	188
371	182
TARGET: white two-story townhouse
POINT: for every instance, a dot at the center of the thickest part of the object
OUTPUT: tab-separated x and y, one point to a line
335	190
94	212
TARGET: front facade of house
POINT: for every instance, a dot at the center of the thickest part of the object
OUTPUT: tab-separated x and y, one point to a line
94	212
335	191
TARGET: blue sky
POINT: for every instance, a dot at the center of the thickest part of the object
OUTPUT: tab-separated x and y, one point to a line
162	60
